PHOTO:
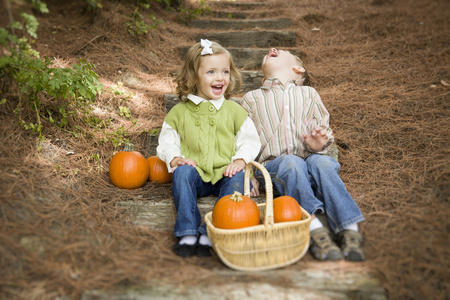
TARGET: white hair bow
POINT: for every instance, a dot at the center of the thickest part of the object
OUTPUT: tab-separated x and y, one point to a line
206	44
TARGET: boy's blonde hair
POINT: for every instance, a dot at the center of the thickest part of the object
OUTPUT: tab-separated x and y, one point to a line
187	77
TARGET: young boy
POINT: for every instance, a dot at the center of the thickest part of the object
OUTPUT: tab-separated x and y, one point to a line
293	127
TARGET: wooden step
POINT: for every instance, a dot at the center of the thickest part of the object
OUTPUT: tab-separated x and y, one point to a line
329	281
161	215
237	5
230	14
247	39
274	24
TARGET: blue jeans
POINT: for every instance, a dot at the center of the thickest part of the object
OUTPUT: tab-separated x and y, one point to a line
187	186
316	185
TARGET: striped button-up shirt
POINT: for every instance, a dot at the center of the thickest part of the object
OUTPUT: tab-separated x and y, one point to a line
283	114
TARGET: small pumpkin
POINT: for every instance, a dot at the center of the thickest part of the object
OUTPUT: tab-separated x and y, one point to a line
235	211
128	169
286	209
158	170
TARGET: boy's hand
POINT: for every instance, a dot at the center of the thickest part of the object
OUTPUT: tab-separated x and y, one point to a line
255	188
178	161
317	139
236	166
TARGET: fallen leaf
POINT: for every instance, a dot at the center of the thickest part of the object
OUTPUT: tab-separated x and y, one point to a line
444	83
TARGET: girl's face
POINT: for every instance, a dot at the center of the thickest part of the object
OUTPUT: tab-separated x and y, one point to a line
213	76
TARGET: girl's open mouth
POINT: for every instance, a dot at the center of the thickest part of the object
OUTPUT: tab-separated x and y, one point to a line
217	89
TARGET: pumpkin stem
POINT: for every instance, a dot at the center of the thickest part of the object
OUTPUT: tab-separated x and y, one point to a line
129	147
236	196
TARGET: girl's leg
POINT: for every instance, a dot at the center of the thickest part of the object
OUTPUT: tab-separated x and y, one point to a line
226	186
187	185
340	207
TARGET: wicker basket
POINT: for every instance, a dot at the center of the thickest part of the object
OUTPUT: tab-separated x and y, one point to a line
266	246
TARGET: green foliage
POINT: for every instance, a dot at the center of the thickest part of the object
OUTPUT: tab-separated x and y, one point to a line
138	23
93	4
73	89
39	5
119	137
189	14
154	131
57	96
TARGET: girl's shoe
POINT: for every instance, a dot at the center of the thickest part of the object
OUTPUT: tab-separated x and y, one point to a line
203	250
322	246
184	250
351	245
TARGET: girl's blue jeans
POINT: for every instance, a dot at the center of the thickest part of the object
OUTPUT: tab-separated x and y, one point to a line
316	185
187	186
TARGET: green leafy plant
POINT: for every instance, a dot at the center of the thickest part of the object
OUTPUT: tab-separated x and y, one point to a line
51	95
187	15
73	90
138	24
94	4
39	5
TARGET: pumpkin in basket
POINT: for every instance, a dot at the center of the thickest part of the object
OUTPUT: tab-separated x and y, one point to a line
286	209
235	211
128	169
158	170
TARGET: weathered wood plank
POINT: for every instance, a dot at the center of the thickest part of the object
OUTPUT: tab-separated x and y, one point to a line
260	39
281	23
308	284
236	5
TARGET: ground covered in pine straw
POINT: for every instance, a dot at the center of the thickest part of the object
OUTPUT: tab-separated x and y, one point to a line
382	69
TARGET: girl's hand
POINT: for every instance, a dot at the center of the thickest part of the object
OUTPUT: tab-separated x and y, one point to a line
178	161
255	188
236	166
317	139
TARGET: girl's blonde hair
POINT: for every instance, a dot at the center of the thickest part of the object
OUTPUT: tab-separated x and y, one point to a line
187	77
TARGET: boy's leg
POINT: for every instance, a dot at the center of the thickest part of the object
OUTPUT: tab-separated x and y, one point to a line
340	207
341	210
290	177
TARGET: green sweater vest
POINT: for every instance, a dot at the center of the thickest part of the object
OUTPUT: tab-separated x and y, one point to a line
208	136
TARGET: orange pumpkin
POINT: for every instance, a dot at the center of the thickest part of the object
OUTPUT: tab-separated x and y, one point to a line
158	170
128	169
235	211
286	209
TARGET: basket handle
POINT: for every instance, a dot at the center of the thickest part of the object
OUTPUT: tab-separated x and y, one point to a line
268	216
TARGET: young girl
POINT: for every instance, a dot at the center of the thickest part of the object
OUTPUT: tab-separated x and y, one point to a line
205	141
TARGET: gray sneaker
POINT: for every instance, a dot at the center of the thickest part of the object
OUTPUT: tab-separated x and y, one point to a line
322	246
350	242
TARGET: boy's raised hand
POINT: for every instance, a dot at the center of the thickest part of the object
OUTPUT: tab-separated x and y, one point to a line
317	139
236	166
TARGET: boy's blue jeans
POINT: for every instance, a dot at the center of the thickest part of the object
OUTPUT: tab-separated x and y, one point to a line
187	186
316	185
